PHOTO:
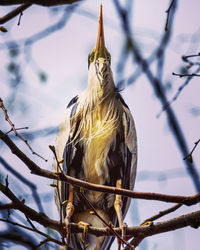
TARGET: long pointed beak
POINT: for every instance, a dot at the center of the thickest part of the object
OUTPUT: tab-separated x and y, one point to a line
100	44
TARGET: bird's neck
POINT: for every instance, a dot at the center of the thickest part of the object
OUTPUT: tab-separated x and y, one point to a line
100	81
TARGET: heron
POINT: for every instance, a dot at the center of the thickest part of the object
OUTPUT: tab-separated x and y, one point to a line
98	144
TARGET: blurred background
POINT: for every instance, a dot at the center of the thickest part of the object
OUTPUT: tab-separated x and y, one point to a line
43	65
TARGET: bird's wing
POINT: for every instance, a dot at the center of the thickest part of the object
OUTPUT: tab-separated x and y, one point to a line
130	152
60	147
129	149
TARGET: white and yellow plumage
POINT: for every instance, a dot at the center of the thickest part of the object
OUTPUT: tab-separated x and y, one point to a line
97	140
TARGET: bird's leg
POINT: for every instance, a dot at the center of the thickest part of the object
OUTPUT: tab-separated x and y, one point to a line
118	208
69	212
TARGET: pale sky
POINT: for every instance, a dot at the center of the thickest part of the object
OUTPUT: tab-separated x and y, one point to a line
63	57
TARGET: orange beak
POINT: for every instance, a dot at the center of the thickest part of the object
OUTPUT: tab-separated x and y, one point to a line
100	44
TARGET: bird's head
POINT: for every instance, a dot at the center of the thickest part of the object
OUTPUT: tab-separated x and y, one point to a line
100	50
99	60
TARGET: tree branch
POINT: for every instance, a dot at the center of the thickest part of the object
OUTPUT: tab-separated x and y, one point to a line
35	169
38	2
162	213
180	89
33	230
32	214
25	181
14	13
184	75
192	219
168	14
8	206
189	156
105	223
18	238
15	131
159	91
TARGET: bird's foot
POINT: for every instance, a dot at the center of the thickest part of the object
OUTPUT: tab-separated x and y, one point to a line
69	209
85	225
123	228
84	238
147	223
69	213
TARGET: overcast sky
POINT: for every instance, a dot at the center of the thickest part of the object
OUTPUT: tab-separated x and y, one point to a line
62	58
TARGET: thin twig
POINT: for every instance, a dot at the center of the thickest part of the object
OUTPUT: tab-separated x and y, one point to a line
105	223
162	213
30	222
20	16
168	14
159	92
189	156
14	13
31	213
180	89
184	75
35	169
42	243
33	230
192	219
185	58
15	131
10	205
58	168
38	2
25	181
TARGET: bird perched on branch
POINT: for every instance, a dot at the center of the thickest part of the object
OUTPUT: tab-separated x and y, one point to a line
97	141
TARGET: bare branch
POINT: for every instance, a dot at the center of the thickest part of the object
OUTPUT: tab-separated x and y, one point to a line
35	169
159	92
15	131
38	2
189	156
162	213
184	75
105	223
18	237
14	13
32	214
168	14
25	181
180	89
8	206
33	230
185	58
192	219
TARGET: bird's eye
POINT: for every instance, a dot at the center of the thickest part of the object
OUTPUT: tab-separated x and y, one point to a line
91	58
109	58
